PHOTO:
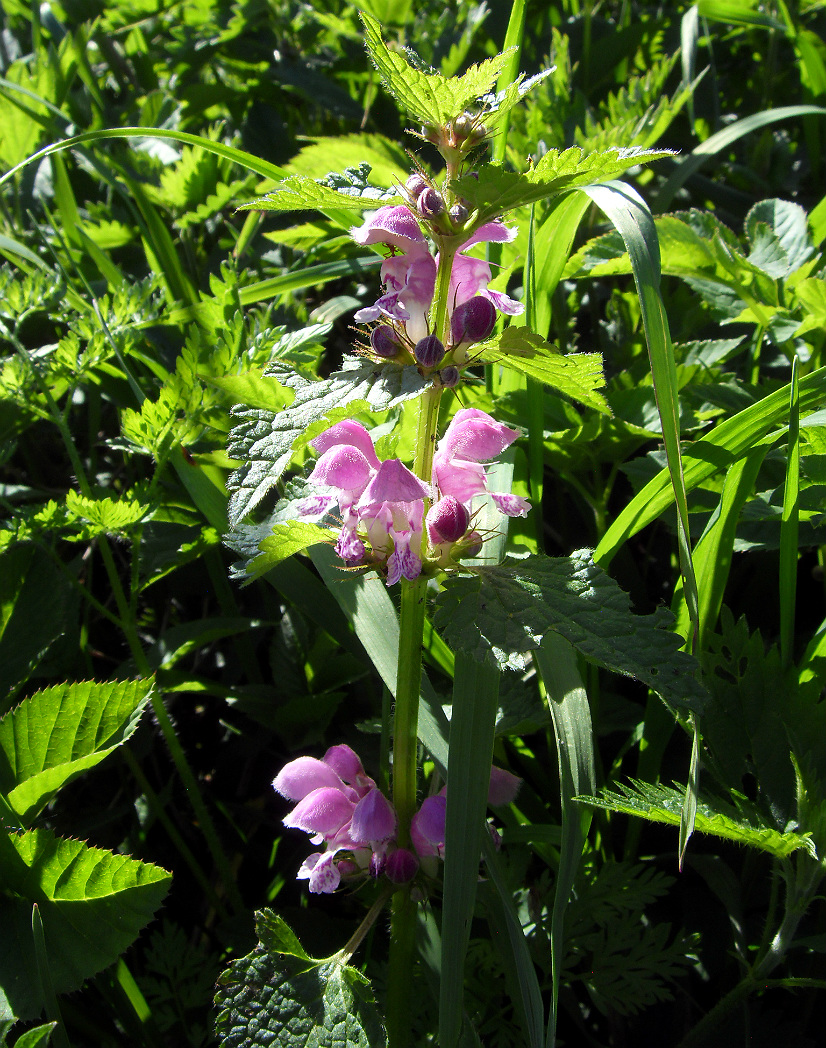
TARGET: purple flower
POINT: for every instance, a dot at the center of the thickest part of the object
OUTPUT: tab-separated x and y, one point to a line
409	277
473	437
341	806
392	507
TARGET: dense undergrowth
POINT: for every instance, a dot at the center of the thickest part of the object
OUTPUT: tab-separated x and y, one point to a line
139	310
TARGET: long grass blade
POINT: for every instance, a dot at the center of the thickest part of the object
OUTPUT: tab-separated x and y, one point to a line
721	140
789	525
711	455
571	715
630	215
475	701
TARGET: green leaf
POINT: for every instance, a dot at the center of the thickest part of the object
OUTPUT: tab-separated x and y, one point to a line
350	190
663	804
38	1037
57	733
279	996
286	539
92	903
264	441
578	375
106	516
559	171
429	97
502	613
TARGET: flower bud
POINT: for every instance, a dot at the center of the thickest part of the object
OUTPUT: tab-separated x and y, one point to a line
402	866
415	185
383	341
448	518
449	376
472	321
428	351
463	125
472	545
430	203
458	214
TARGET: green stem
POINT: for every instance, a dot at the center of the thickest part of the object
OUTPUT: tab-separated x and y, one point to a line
402	952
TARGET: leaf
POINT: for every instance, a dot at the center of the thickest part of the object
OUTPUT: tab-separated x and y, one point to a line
57	733
286	539
106	516
350	190
663	804
264	441
502	613
92	903
274	997
429	97
578	375
559	171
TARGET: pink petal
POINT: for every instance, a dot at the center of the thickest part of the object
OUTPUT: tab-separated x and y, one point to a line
511	505
427	827
324	877
347	432
344	468
475	436
394	482
347	765
374	818
303	775
503	787
493	233
323	811
391	225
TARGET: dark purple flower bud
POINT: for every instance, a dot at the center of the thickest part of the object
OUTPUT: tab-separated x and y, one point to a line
448	518
430	203
449	376
458	214
473	545
402	866
415	185
473	320
383	341
428	351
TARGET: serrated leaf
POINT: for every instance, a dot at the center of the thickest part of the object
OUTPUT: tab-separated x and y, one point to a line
496	190
502	613
429	97
350	190
577	375
286	539
264	441
278	996
57	733
107	516
92	903
659	803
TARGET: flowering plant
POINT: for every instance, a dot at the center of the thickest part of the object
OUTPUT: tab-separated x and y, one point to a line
420	521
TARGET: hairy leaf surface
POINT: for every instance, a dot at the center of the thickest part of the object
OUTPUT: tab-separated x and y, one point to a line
502	613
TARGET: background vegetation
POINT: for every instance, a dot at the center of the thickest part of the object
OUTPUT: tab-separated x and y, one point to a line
137	308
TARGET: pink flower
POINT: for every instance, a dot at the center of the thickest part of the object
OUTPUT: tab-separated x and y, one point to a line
409	277
392	507
341	806
473	437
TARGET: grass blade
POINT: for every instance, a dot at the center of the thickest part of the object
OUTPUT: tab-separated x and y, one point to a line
630	215
571	715
475	701
789	525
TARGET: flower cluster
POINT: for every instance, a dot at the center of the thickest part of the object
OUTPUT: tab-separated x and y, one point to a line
382	503
341	806
402	313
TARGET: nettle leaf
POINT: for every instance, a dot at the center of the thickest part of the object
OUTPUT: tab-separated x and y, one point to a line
559	171
93	904
106	516
57	733
501	613
578	375
279	995
284	540
264	440
350	190
428	96
659	803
